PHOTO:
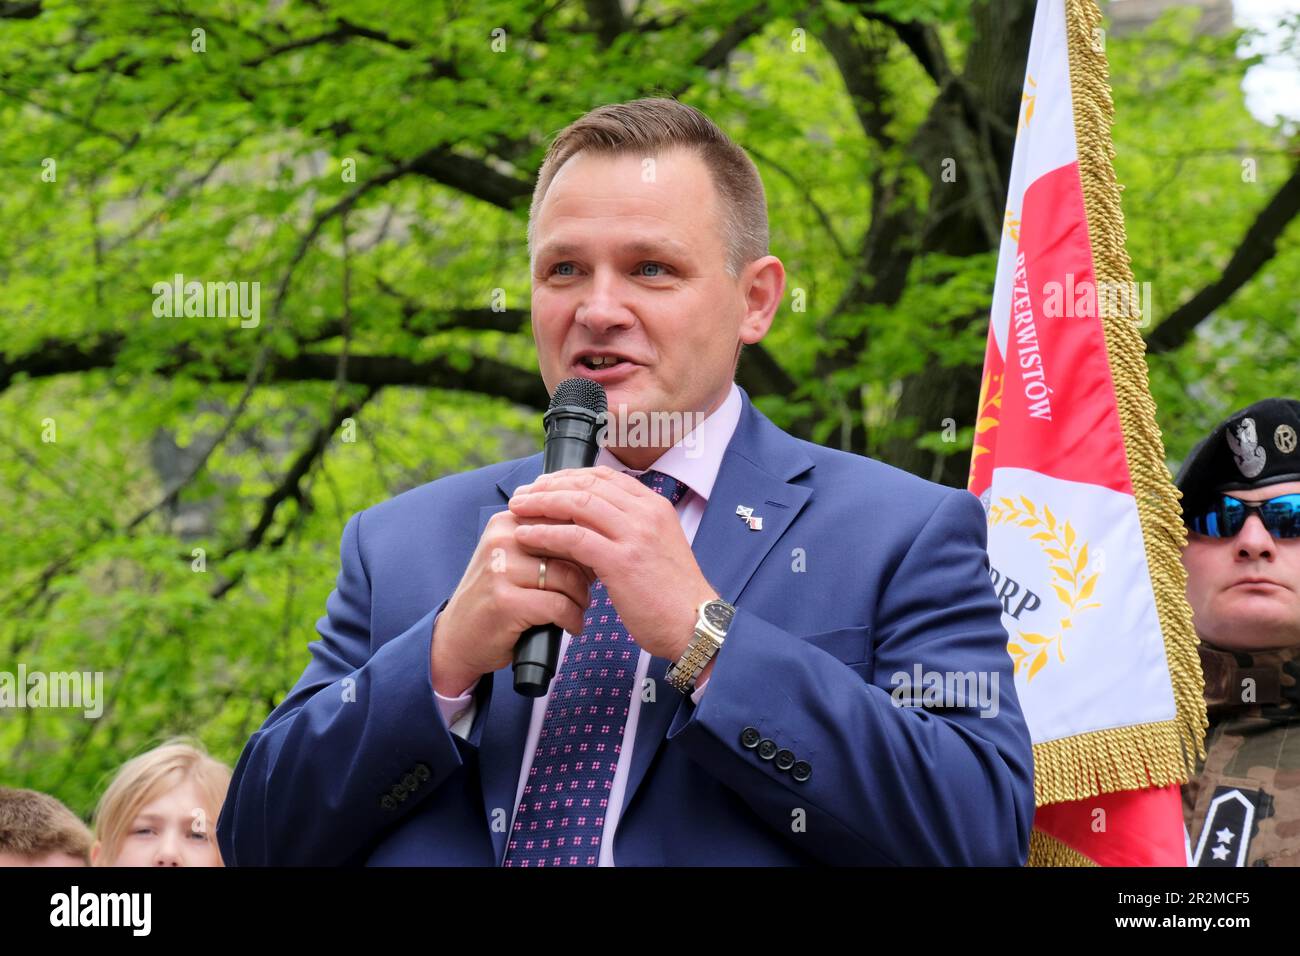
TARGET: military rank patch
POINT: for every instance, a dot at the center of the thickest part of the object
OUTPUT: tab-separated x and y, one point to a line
1229	825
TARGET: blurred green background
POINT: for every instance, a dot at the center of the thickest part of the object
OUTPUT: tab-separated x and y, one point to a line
172	489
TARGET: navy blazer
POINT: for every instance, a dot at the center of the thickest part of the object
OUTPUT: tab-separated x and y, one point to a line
861	572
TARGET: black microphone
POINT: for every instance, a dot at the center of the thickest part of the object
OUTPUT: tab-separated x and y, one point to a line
572	422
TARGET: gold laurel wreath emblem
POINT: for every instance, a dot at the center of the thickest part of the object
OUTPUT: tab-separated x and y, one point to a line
1069	557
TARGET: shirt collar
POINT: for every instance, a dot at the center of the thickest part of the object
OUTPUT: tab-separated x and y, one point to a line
696	459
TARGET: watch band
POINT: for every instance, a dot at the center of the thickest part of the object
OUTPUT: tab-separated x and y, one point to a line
705	644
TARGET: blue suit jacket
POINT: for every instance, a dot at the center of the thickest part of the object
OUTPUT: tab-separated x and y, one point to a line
860	571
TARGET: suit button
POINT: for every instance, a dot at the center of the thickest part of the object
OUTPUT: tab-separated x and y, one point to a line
387	802
767	748
784	759
421	772
749	737
410	782
399	793
801	771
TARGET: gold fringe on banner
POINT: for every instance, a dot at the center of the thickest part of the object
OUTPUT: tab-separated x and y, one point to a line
1103	761
1165	753
1046	850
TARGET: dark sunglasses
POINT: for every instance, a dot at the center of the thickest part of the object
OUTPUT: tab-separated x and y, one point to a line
1227	516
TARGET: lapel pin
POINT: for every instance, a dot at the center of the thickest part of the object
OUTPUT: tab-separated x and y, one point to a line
747	515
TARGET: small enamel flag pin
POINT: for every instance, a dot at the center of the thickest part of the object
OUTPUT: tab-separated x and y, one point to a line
747	515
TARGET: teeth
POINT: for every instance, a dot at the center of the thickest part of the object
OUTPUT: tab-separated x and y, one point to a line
600	361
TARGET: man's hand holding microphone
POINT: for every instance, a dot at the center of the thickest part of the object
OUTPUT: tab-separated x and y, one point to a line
535	563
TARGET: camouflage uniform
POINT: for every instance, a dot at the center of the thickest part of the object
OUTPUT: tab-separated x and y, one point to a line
1243	808
1251	774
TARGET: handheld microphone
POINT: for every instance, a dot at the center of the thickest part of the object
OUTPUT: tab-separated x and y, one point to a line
572	423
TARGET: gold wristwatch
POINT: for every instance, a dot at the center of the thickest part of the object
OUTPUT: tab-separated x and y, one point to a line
710	629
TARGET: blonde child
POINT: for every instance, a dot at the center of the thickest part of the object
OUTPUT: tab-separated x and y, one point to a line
161	809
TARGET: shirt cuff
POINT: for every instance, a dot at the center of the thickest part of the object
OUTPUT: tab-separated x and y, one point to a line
453	708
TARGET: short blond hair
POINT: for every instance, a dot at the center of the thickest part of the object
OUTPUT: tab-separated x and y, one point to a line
34	825
145	778
648	126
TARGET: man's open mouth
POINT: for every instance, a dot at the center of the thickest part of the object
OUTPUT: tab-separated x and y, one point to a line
602	361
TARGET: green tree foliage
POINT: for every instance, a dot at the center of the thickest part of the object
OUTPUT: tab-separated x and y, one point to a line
174	486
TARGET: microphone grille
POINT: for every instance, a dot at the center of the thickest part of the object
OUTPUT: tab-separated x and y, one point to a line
582	392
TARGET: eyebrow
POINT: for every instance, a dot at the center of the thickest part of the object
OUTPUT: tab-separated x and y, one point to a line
639	247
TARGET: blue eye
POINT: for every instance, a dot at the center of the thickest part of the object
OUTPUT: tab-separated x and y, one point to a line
653	265
555	269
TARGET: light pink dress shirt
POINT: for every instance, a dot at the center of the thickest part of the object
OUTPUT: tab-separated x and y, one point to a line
698	468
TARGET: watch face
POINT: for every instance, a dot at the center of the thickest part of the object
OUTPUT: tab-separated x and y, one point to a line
718	615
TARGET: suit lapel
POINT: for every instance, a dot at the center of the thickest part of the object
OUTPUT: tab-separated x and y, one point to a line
727	551
505	723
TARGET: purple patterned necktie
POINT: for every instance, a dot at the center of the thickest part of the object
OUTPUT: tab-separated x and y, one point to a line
562	812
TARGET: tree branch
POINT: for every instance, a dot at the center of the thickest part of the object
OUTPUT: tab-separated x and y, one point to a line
478	178
290	485
478	320
343	31
1257	247
759	372
741	29
859	64
817	208
474	177
62	114
608	17
920	38
20	10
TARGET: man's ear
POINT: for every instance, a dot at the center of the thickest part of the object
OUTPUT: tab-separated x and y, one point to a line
763	284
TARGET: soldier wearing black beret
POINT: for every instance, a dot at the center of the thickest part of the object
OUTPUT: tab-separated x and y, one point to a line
1241	505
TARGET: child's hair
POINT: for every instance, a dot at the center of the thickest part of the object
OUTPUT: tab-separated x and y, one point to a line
33	825
145	778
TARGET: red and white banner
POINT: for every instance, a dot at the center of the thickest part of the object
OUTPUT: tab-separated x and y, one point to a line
1049	463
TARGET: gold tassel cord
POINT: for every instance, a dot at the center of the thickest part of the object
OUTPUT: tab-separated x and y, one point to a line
1045	850
1168	754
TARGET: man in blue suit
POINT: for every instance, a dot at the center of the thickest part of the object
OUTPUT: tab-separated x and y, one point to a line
774	653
